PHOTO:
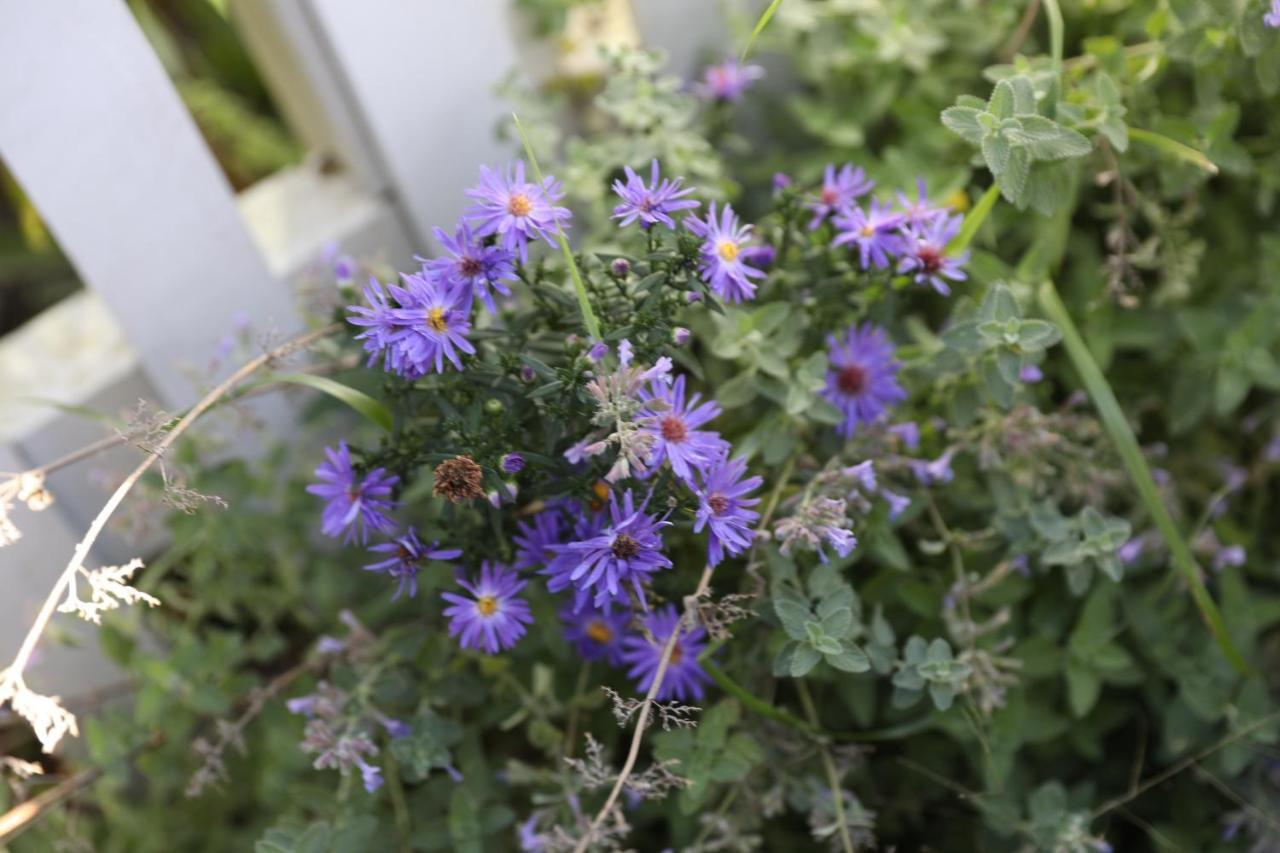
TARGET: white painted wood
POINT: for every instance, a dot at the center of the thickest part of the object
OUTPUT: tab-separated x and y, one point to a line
94	131
688	30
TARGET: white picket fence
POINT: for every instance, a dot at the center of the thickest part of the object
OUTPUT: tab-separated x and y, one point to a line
400	92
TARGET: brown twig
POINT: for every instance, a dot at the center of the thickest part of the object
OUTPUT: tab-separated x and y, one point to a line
1028	19
642	721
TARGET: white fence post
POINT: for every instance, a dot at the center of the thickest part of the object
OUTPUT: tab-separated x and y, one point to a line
96	134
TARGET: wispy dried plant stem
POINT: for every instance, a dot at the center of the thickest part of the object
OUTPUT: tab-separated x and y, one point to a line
13	674
828	765
642	721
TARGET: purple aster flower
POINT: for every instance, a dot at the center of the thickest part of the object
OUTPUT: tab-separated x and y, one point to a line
920	212
723	240
685	678
627	550
351	506
511	463
438	315
381	322
862	382
515	209
724	506
407	556
651	204
839	191
596	634
761	257
1272	18
727	81
673	423
494	617
473	264
934	472
781	180
874	231
924	254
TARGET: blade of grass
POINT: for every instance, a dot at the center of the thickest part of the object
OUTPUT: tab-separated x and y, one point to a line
1174	148
759	28
1122	437
358	400
584	303
974	220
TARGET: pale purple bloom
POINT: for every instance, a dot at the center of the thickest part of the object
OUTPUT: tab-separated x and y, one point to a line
438	317
727	81
597	352
517	210
761	257
352	507
382	324
494	617
685	679
862	382
1229	556
511	463
370	775
920	212
1030	374
924	254
1131	550
397	729
781	180
936	471
1272	18
596	634
680	336
528	838
897	503
908	432
724	507
817	521
863	474
473	264
722	267
408	553
535	543
598	566
839	191
673	423
652	204
873	231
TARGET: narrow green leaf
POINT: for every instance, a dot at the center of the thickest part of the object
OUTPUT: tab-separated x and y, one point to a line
358	400
759	28
1131	455
974	221
1174	148
584	303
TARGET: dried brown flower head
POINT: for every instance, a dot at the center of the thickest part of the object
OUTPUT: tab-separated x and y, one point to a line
459	479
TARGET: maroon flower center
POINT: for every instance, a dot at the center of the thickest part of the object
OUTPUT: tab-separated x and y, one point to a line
930	258
718	503
600	632
829	195
676	654
673	429
851	379
470	267
624	547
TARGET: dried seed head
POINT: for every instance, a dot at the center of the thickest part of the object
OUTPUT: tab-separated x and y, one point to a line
459	479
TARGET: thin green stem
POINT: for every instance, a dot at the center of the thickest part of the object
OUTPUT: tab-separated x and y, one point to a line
1173	148
974	220
833	777
1053	12
399	806
575	705
757	705
1126	444
584	303
761	23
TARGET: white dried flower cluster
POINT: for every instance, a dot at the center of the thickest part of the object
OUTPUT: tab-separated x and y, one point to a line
28	488
618	408
47	717
109	588
19	768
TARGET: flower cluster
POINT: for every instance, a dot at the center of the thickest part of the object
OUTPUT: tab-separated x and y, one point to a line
341	734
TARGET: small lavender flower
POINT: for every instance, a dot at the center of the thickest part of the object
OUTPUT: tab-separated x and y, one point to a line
382	324
596	634
723	241
924	254
680	336
515	209
873	231
908	432
685	679
673	425
597	352
920	212
934	472
371	776
862	382
511	463
351	506
1030	374
1272	18
819	520
473	264
652	204
436	315
494	617
839	191
1131	550
627	550
407	556
761	257
724	507
1229	556
527	374
781	180
727	81
897	503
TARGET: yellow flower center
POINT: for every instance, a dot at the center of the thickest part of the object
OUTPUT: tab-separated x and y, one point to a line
487	605
437	320
727	250
868	230
519	205
599	632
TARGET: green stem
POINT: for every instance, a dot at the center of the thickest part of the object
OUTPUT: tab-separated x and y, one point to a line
399	806
1131	455
757	705
584	303
974	220
761	23
1173	148
1054	14
833	777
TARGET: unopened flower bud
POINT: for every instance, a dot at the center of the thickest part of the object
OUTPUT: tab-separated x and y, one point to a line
620	267
680	336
